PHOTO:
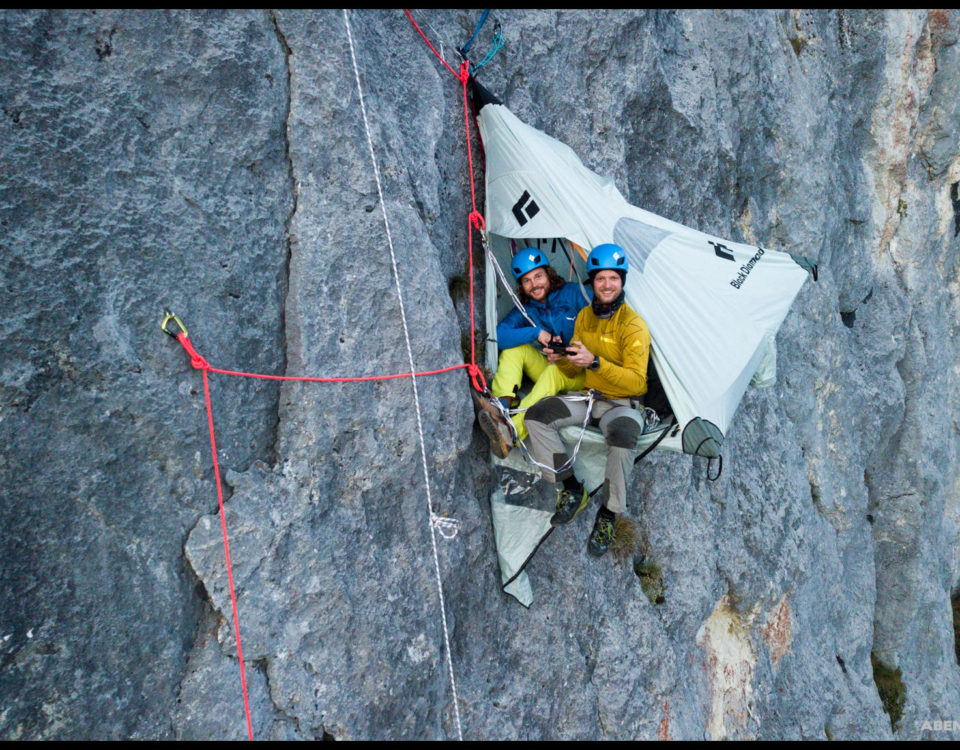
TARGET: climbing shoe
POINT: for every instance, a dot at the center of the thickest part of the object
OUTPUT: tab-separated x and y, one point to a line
568	505
602	535
486	404
498	432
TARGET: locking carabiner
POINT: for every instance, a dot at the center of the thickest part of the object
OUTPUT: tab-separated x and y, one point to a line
167	317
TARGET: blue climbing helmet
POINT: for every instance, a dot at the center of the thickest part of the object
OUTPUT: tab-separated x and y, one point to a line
607	257
526	260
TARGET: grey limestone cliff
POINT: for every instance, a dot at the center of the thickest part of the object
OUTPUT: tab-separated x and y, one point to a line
218	163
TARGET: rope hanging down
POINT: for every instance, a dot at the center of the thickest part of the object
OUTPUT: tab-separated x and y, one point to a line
446	527
416	397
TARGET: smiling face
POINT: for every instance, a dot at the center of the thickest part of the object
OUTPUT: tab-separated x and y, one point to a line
607	286
536	284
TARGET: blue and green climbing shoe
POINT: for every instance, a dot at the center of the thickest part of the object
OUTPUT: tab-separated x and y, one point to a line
568	505
602	535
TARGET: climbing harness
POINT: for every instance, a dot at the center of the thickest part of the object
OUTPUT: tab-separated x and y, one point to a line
590	397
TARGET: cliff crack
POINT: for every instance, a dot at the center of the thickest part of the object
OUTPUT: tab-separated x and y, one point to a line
294	194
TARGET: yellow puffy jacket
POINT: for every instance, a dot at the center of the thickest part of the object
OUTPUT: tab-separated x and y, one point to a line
622	342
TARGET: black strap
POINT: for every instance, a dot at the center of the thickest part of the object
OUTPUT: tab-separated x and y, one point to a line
653	445
719	469
532	553
696	451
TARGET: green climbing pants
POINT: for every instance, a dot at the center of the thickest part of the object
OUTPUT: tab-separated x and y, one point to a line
548	380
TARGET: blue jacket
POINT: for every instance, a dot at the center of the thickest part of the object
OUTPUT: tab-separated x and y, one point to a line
556	316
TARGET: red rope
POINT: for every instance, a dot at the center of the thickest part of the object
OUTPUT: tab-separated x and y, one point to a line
432	47
201	364
474	221
226	546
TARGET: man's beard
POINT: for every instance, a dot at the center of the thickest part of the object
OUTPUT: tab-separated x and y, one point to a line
606	309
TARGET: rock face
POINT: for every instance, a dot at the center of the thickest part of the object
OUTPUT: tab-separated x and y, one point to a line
219	164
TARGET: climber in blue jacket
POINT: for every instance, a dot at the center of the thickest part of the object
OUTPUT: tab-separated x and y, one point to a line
551	304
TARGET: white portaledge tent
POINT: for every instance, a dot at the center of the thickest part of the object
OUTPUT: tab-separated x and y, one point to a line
713	306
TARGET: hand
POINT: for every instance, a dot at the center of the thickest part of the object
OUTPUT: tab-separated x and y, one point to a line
583	356
544	338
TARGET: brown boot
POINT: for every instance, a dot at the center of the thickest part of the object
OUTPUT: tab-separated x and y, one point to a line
486	403
498	432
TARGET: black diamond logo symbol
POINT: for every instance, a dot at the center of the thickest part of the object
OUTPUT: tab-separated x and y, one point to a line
525	208
722	251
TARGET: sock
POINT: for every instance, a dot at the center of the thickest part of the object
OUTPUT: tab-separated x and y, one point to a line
606	512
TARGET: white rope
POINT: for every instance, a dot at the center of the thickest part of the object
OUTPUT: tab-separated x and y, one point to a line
416	397
439	37
506	285
589	397
447	527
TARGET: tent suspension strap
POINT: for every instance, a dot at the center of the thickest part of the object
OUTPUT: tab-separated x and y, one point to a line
495	46
416	397
491	51
466	47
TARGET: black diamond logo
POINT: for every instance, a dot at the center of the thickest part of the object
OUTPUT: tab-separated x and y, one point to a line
722	251
525	208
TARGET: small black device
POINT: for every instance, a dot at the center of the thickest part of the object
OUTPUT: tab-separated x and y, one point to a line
558	345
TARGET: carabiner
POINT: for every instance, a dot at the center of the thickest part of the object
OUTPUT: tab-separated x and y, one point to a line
167	317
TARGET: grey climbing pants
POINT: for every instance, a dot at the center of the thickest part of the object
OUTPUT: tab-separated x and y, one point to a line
620	424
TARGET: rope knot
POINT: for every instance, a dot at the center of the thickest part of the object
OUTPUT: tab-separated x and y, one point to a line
476	377
195	359
199	362
476	220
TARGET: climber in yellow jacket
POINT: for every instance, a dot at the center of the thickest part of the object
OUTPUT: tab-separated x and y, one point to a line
610	349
